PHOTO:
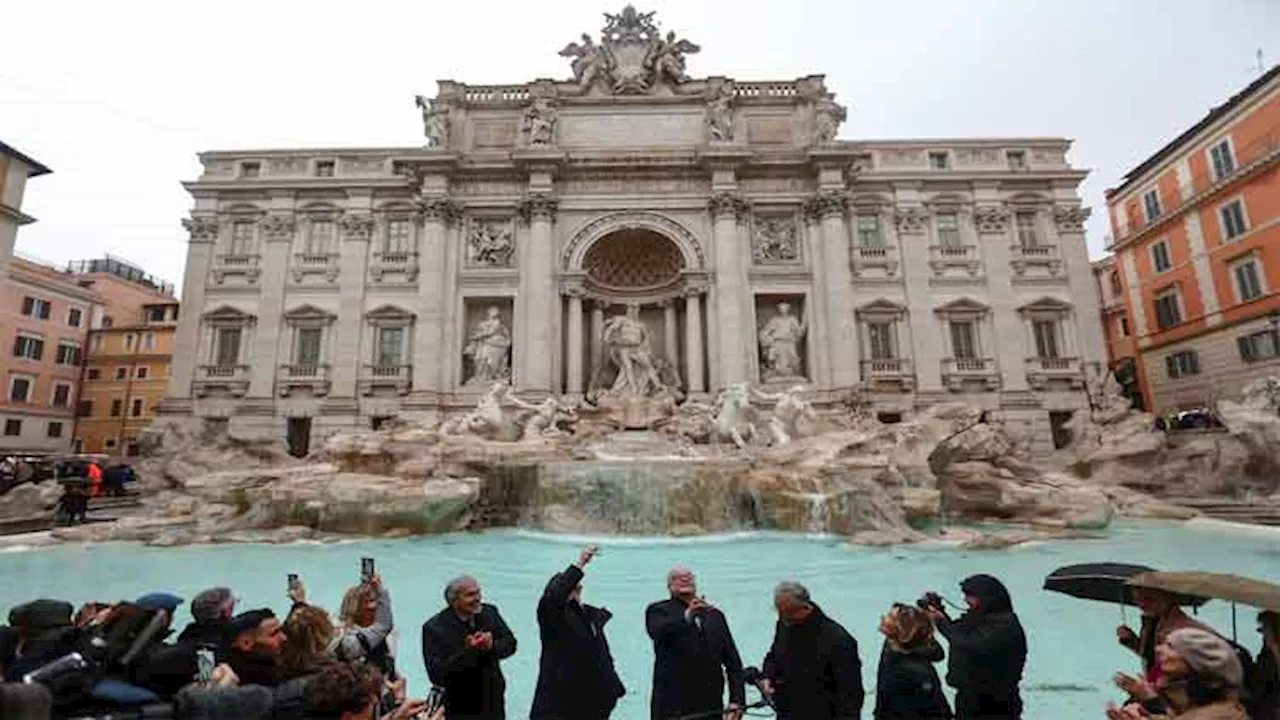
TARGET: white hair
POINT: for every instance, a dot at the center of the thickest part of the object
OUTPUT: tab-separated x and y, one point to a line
677	570
793	591
454	588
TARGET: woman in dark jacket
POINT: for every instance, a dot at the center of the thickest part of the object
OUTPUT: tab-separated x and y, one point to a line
907	685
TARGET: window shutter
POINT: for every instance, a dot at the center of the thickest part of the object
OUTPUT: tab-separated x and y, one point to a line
39	350
1246	347
1193	363
1171	366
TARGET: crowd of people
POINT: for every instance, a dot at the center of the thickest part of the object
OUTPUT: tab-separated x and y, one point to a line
104	659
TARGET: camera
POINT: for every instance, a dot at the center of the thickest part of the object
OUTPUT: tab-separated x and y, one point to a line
929	600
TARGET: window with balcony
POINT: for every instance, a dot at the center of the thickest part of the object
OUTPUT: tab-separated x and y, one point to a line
320	237
939	160
1182	364
1045	333
1025	223
396	241
947	226
869	231
390	351
1151	204
1248	279
226	347
36	308
306	346
1233	220
30	348
61	395
243	236
12	427
74	317
20	387
964	340
1259	345
324	168
880	341
1160	258
1222	159
1168	310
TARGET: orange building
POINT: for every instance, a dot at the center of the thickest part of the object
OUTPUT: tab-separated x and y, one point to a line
1197	247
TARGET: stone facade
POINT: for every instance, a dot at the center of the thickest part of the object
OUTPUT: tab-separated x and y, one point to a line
326	289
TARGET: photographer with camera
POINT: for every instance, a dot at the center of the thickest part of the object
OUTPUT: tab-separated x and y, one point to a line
988	650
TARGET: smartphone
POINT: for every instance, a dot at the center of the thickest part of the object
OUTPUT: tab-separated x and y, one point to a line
294	582
204	664
366	569
435	700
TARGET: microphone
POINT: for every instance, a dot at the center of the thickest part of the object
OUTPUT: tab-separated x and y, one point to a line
752	676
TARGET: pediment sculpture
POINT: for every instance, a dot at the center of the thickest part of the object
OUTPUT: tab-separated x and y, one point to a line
633	56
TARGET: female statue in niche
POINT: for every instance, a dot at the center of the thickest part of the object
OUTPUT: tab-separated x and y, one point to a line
488	347
780	342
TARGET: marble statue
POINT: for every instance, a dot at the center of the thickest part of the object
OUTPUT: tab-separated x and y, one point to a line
550	418
779	343
720	114
827	116
435	122
589	61
793	417
486	420
733	415
667	58
628	349
491	244
633	55
538	126
489	348
775	240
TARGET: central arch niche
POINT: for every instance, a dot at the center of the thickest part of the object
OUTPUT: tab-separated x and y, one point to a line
633	260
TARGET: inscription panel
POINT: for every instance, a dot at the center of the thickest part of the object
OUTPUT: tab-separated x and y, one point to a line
769	129
655	128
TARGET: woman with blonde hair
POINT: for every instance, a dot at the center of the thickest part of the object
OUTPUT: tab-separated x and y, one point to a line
365	624
907	685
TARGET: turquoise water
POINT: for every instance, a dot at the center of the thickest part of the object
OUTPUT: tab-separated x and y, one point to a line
1073	649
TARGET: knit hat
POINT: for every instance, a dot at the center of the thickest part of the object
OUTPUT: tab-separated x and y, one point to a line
1207	654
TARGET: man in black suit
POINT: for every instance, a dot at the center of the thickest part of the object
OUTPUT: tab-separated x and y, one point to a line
812	671
693	653
576	677
462	646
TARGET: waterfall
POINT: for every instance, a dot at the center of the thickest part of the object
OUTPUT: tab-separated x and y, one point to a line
815	519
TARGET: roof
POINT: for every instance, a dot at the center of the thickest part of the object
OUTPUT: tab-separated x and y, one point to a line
37	168
1214	115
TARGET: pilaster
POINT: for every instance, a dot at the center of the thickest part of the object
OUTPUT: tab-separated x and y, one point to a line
830	209
1069	225
927	346
430	366
277	231
356	229
537	304
1008	342
204	233
734	329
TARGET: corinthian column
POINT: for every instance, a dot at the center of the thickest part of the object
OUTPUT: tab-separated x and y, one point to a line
575	346
277	230
829	208
428	362
537	303
693	339
186	340
733	320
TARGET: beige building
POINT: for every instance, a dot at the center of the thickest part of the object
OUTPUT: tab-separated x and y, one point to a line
633	227
15	169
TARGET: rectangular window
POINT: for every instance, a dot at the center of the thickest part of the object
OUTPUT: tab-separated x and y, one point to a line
1116	288
137	408
1182	364
1017	159
131	448
128	342
242	237
390	346
12	427
122	373
36	308
307	350
324	168
141	373
1248	282
1259	345
1025	222
20	388
939	161
117	407
1168	314
1124	326
74	317
880	337
964	344
54	429
397	240
84	408
1160	256
250	169
106	321
1233	224
228	347
95	344
28	347
869	231
1151	204
109	443
1223	163
148	341
68	354
1046	334
62	395
155	314
320	239
948	226
94	374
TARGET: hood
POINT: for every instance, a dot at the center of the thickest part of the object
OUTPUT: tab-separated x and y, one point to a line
991	593
39	616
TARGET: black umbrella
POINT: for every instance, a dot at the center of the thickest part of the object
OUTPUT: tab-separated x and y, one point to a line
1107	582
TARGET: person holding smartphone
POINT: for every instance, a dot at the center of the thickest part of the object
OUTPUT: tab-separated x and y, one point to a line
365	625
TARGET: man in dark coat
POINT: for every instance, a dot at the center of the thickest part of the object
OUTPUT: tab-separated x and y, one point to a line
576	677
988	652
693	653
812	671
254	642
461	647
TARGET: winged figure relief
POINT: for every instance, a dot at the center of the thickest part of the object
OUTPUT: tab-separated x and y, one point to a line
666	57
589	61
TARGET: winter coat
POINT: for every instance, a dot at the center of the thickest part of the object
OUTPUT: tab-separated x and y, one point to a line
576	676
370	643
254	669
691	660
988	653
1264	686
815	670
1224	710
472	679
236	703
907	685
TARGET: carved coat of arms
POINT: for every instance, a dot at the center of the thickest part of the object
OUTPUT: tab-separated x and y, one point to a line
633	56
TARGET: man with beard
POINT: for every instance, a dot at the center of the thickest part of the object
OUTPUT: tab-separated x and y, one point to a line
812	671
988	651
693	652
254	643
462	647
576	677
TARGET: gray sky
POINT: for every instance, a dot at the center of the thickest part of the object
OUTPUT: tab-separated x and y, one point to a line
117	97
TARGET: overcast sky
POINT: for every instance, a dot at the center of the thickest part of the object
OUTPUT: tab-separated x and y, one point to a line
118	97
